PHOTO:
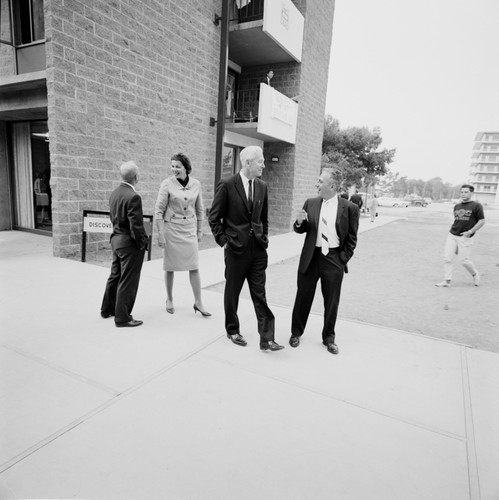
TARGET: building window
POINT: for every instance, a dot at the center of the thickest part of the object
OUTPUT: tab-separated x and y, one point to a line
29	35
29	23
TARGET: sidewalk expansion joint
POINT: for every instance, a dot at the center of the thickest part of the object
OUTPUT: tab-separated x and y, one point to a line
118	396
355	404
61	369
473	475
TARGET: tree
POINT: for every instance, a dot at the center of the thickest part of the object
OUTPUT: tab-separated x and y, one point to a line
399	187
355	150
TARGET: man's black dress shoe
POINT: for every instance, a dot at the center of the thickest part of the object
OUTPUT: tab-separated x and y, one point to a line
332	348
271	346
237	338
106	315
131	323
294	341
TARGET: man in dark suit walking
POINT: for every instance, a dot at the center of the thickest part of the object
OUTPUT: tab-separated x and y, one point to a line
330	223
357	199
129	243
239	221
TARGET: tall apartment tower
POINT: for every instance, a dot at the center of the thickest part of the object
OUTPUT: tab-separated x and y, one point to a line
484	171
85	86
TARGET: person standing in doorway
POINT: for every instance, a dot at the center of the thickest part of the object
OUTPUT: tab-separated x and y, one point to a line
129	242
239	222
468	219
330	223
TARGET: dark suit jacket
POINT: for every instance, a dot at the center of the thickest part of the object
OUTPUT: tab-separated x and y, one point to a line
357	199
347	224
230	218
127	218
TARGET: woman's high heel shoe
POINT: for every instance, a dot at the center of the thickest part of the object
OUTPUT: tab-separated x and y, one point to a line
204	313
170	310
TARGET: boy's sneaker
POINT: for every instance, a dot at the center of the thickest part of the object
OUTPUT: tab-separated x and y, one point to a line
476	279
443	283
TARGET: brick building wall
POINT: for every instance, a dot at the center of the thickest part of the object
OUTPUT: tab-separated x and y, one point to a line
292	180
313	89
126	80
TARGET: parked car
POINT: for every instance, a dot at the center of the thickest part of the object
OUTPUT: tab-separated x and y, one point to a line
386	201
416	201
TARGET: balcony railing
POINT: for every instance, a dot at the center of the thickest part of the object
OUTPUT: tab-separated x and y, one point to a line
241	106
265	114
245	11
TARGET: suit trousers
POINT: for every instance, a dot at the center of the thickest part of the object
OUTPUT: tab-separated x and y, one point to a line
330	270
123	283
249	266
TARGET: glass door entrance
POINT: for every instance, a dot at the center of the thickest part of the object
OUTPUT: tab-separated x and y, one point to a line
31	175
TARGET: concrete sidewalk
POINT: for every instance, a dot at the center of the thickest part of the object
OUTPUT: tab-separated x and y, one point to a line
173	410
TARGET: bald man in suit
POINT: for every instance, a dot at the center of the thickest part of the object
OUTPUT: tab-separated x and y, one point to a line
239	222
330	223
129	242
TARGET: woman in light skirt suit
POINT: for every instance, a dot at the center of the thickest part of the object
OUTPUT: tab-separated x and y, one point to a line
179	216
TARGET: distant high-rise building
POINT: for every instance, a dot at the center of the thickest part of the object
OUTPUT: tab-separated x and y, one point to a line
484	172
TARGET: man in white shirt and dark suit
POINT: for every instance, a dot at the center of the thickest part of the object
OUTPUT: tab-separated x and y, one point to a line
330	223
239	222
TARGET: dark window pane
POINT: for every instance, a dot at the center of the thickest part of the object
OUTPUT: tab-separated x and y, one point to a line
22	21
29	22
38	20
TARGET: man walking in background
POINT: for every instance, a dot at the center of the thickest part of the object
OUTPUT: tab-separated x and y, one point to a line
239	222
129	243
468	219
357	199
330	223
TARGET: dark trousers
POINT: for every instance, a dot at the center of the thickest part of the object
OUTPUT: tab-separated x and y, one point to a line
250	266
330	270
123	283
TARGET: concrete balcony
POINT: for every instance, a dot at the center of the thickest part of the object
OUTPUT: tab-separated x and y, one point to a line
270	118
265	32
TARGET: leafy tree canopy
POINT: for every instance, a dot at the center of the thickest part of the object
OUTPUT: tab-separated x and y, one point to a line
356	152
399	187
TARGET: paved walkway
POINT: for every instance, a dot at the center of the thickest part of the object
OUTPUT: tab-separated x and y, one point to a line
173	410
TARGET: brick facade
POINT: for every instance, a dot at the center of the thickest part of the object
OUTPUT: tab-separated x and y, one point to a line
292	180
126	80
312	91
138	80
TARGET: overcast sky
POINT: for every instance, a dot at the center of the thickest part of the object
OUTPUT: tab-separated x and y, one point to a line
426	72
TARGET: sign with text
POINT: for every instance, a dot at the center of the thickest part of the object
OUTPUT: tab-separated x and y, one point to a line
97	225
96	221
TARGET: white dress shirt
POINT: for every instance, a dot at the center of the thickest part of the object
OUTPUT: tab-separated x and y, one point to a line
246	185
329	210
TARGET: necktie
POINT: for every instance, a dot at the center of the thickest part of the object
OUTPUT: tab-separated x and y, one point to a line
250	195
324	233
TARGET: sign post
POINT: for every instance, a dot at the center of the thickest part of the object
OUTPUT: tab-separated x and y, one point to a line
102	224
